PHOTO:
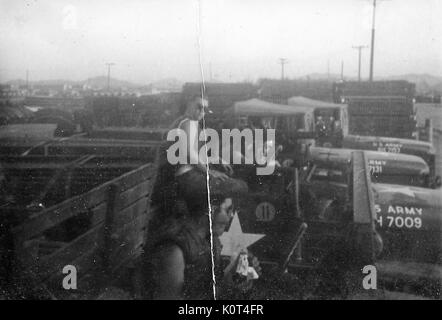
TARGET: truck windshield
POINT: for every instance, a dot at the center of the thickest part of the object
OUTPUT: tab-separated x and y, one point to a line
322	173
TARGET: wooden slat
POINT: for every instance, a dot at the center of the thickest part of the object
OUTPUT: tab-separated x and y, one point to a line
132	200
71	207
130	196
130	213
54	263
128	252
121	235
57	214
87	264
98	214
20	164
133	178
123	151
112	205
112	142
128	240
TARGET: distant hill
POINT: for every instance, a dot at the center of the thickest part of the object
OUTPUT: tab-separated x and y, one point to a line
55	82
101	82
425	83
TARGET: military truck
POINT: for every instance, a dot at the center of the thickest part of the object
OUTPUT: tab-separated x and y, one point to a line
337	242
408	215
422	149
385	167
409	220
383	108
294	127
334	117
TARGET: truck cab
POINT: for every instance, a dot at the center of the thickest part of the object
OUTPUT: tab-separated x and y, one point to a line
334	116
384	167
294	126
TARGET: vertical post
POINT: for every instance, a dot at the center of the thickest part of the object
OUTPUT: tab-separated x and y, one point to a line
108	77
282	61
298	250
359	48
328	69
112	207
27	81
342	70
372	41
429	129
108	74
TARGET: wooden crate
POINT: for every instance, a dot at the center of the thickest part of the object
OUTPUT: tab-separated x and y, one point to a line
117	213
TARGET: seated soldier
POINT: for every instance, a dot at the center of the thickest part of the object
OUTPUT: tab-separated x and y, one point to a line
188	181
179	254
180	259
180	234
192	178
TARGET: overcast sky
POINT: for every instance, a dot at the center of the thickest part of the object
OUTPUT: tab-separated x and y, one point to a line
239	39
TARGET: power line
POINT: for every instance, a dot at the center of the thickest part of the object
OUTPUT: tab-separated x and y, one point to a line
283	62
359	48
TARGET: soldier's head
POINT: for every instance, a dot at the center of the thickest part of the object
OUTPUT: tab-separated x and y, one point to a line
222	214
221	209
196	108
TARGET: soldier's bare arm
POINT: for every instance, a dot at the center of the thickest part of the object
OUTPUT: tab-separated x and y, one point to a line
169	273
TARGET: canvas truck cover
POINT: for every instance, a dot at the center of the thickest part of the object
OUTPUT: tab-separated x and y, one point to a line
383	162
299	101
388	144
257	107
322	108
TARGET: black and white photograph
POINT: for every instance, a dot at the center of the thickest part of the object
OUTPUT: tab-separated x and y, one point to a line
230	150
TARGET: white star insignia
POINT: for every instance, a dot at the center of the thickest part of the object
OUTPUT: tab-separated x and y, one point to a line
234	241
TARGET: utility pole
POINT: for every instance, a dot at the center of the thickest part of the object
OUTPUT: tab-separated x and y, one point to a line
282	61
359	48
342	70
109	64
27	81
328	69
372	41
